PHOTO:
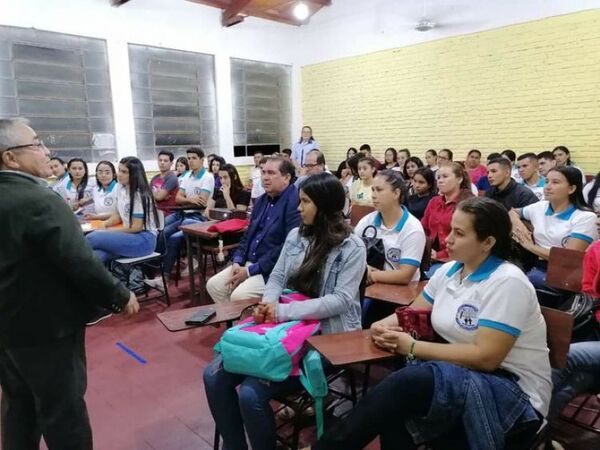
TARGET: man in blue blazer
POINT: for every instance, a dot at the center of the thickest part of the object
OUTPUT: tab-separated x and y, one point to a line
274	215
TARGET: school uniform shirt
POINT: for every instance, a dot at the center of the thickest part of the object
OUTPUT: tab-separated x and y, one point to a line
360	194
538	188
124	206
194	185
257	188
403	244
301	149
68	192
105	200
552	229
499	296
514	173
586	192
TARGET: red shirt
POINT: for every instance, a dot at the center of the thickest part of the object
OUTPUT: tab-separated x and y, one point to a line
436	220
590	282
170	183
476	173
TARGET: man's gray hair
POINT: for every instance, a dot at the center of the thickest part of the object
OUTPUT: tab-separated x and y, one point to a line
8	135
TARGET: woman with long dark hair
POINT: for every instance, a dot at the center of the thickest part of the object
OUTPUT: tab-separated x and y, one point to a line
349	154
563	219
591	194
135	211
214	167
423	190
411	165
390	159
323	260
105	192
182	166
78	189
562	156
488	385
231	194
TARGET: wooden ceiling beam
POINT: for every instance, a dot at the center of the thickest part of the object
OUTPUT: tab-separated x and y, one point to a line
230	15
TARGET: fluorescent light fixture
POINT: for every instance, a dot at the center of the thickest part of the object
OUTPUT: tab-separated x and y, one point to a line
301	11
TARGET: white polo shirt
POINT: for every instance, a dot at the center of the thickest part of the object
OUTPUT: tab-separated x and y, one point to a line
554	230
193	185
586	193
497	295
105	200
257	187
403	244
537	189
124	206
67	190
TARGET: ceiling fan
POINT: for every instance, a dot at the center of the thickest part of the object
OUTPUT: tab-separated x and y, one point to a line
425	24
118	2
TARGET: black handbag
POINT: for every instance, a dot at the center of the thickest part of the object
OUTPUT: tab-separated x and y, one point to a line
375	248
585	326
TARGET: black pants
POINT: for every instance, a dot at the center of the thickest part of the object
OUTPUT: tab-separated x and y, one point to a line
42	395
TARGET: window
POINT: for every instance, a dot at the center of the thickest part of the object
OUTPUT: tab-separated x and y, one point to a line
174	100
261	106
60	83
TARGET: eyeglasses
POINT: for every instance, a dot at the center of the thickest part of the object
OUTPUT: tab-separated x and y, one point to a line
310	166
39	145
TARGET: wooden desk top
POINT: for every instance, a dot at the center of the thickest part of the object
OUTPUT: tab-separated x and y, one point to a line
348	348
201	230
395	293
94	225
175	320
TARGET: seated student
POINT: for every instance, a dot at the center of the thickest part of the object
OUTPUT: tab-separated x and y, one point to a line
274	215
403	155
506	190
483	183
391	159
453	186
77	191
546	162
365	149
360	192
314	162
323	244
489	385
423	183
562	220
529	172
591	194
165	183
402	235
444	157
409	169
286	154
135	210
349	153
475	169
231	194
59	170
562	156
195	190
512	157
181	167
255	182
431	160
215	166
590	282
105	193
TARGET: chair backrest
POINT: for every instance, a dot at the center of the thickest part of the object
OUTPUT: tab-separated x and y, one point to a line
565	269
559	327
357	212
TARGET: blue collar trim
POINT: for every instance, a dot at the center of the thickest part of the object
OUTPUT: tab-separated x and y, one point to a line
565	215
483	272
69	184
398	228
200	173
110	187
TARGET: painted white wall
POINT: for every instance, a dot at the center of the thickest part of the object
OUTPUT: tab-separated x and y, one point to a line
176	24
347	28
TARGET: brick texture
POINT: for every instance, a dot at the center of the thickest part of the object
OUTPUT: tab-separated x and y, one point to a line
528	87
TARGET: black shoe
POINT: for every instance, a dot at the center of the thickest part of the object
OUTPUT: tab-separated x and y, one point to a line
99	317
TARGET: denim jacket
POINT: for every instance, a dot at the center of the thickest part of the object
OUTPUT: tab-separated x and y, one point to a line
338	307
489	405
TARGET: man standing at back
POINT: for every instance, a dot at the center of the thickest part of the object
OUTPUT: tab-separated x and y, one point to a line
274	215
50	284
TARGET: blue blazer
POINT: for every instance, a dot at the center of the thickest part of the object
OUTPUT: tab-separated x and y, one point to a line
285	217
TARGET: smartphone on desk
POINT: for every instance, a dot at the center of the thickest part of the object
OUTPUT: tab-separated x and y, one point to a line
200	317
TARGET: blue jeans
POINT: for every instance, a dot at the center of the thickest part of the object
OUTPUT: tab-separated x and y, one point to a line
249	408
109	245
175	238
582	374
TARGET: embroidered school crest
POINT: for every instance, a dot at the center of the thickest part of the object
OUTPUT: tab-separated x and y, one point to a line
197	191
394	255
108	201
467	317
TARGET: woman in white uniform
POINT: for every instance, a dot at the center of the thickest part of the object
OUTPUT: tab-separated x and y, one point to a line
105	193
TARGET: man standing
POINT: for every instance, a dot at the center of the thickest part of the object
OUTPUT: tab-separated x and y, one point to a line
528	169
273	217
165	184
504	189
50	284
313	163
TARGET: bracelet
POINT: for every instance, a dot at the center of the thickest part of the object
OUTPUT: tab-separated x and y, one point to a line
411	352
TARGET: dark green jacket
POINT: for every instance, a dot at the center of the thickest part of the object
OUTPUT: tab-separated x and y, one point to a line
50	280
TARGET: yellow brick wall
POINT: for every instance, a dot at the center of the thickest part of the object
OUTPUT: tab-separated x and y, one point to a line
528	87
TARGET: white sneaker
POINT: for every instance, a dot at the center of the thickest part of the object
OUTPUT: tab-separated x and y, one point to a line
156	283
186	272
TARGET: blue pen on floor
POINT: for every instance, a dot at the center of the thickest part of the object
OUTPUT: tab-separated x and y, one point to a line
131	353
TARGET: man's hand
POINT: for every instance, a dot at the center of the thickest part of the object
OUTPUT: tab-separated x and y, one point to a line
238	276
132	305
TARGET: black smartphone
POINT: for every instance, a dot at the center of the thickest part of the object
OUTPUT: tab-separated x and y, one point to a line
200	317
